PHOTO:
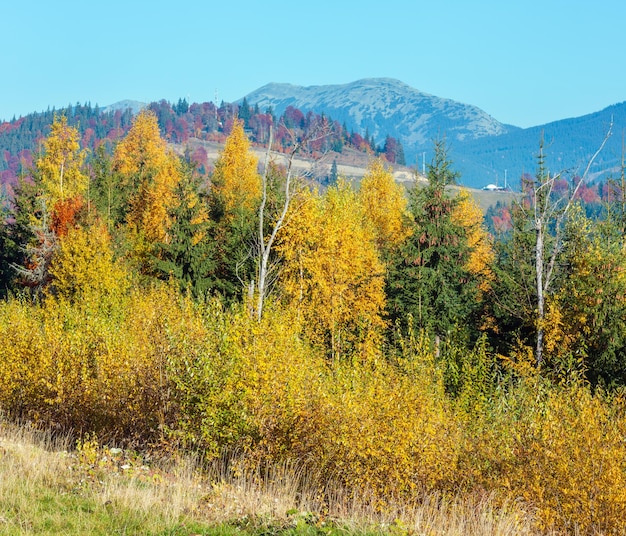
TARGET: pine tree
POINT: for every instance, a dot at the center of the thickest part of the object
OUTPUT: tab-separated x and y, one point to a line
429	279
189	255
9	252
109	197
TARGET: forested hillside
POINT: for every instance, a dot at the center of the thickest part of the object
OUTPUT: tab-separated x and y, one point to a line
569	143
21	139
385	343
483	149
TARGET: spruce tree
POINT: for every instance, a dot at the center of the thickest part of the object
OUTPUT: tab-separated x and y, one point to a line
189	255
428	278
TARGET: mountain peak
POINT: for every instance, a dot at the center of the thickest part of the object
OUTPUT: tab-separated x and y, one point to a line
123	105
382	107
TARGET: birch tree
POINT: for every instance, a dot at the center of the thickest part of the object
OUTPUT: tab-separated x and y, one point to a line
527	282
267	268
547	213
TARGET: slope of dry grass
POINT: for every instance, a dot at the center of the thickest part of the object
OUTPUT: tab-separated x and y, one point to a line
47	487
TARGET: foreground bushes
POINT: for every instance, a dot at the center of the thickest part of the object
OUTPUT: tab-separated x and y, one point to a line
160	369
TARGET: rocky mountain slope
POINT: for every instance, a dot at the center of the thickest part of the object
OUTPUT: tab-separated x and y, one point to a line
384	106
482	149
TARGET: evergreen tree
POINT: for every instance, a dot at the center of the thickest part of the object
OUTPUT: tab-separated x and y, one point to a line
233	202
181	107
9	252
244	112
429	279
189	254
400	158
111	196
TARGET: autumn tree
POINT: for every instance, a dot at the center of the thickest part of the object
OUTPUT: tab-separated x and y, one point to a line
48	203
393	151
585	326
332	273
385	205
481	253
540	221
278	193
234	199
148	174
236	184
85	270
58	172
60	165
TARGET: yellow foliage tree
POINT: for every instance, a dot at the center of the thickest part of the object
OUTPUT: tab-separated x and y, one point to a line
150	173
61	163
385	206
468	214
84	267
332	272
142	150
236	181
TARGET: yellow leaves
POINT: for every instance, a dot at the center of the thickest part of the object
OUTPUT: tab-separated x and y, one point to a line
84	268
481	258
142	150
236	181
150	209
332	273
559	341
387	434
218	379
151	173
61	163
572	462
385	205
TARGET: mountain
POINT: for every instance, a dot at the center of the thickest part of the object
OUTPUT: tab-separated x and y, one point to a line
482	149
384	106
569	145
134	106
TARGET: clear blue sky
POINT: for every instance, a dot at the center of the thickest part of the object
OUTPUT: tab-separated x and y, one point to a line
525	63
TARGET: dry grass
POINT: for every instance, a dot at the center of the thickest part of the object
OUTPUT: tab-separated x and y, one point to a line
46	488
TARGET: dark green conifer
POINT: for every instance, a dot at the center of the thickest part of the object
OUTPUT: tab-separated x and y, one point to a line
189	255
428	280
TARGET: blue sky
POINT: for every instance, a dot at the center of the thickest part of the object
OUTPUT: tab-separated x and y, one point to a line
525	63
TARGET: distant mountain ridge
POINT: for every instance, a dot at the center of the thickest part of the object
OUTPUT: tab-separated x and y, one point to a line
134	106
569	144
384	106
481	148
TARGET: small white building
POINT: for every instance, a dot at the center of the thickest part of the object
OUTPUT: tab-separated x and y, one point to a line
493	188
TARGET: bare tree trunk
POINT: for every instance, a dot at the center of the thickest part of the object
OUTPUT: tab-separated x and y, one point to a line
265	245
545	212
539	265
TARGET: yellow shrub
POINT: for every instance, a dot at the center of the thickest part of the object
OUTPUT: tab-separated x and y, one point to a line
560	449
